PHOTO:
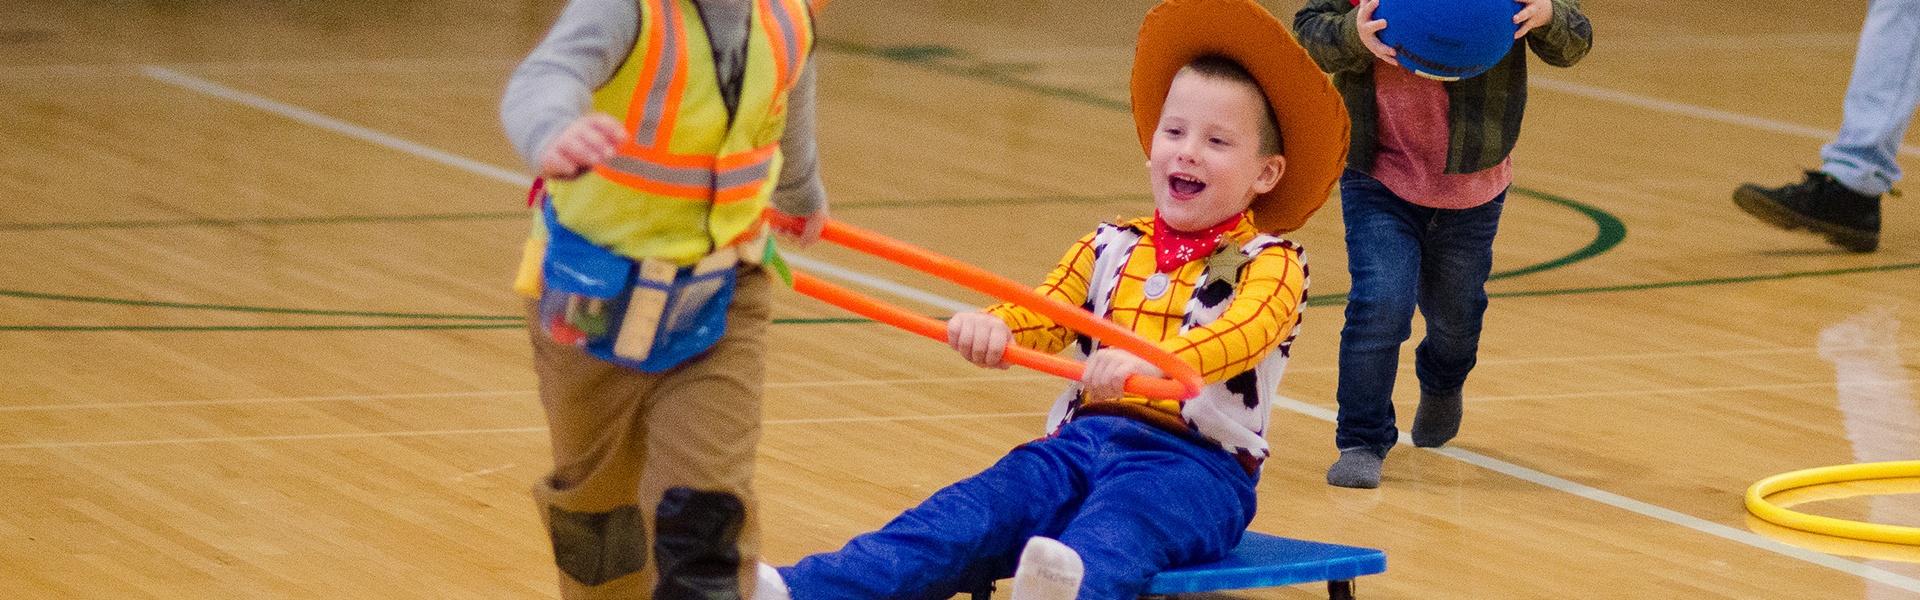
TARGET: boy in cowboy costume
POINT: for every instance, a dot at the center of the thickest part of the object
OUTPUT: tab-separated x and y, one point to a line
1244	138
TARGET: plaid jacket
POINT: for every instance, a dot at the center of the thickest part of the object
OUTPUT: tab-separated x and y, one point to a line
1483	114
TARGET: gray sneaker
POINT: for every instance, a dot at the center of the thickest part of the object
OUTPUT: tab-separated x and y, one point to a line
1357	468
1437	420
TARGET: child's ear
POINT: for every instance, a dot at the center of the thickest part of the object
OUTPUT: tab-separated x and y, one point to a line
1270	172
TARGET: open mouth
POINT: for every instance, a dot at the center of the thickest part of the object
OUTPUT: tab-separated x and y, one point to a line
1184	187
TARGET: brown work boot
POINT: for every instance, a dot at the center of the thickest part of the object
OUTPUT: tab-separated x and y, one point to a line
1848	219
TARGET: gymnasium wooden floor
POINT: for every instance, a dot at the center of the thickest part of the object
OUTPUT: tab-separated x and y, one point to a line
258	342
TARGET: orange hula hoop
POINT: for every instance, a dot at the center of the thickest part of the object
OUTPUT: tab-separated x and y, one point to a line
1182	381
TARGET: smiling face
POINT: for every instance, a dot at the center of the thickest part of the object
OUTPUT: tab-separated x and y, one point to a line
1207	160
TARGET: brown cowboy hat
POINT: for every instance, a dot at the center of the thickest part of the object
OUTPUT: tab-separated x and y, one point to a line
1313	121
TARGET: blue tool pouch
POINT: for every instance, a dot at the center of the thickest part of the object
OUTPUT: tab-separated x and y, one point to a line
648	315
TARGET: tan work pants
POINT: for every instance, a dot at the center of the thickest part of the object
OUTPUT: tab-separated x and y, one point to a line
623	438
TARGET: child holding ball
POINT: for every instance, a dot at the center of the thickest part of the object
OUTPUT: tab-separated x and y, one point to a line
1427	173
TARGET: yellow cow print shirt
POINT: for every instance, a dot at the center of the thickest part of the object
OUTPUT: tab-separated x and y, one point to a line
1260	316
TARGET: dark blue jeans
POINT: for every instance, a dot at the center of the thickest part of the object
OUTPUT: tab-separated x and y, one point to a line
1131	499
1405	256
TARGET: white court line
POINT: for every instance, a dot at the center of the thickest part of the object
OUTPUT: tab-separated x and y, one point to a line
1679	390
877	283
1656	355
1608	498
334	125
451	395
302	115
1668	106
1578	89
1635	506
990	378
1407	365
266	438
903	418
441	432
243	401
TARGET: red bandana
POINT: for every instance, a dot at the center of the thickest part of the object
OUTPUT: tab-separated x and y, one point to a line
1172	248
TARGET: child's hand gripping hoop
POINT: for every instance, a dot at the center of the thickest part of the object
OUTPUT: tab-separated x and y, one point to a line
1182	380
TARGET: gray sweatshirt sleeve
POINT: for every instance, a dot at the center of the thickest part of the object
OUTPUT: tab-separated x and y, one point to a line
554	86
800	192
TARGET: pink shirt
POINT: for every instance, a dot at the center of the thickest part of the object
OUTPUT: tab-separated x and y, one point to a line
1413	145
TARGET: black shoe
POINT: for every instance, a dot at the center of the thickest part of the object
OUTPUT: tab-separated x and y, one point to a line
1847	218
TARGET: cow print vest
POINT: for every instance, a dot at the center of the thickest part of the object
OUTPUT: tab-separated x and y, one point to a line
1234	412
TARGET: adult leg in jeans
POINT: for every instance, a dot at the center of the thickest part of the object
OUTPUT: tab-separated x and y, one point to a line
1881	97
1457	257
1841	201
1383	256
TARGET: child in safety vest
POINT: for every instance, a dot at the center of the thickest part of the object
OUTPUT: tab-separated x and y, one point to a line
662	129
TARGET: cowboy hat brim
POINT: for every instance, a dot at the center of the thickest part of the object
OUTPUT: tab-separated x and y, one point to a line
1313	121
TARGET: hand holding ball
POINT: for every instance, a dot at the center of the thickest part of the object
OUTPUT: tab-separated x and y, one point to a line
1448	39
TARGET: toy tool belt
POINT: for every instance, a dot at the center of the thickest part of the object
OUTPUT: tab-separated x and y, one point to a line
649	315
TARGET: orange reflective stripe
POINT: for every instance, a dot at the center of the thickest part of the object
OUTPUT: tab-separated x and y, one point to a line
645	161
678	88
734	196
790	41
779	28
661	81
729	178
739	159
796	39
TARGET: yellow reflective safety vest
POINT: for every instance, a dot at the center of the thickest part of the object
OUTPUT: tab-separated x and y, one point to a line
687	180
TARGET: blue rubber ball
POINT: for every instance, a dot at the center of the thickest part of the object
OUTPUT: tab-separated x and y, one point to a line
1448	39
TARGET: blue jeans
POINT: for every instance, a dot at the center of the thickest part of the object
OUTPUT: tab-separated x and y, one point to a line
1405	256
1881	97
1131	499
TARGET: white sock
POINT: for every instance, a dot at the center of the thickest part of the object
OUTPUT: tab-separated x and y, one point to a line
1049	570
769	585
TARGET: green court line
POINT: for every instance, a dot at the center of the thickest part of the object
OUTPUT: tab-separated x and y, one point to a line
252	309
517	325
270	221
947	60
931	57
521	214
1700	282
970	202
92	328
934	58
1609	232
1520	294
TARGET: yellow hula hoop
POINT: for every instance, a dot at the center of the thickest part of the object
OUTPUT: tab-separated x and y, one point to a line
1874	532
